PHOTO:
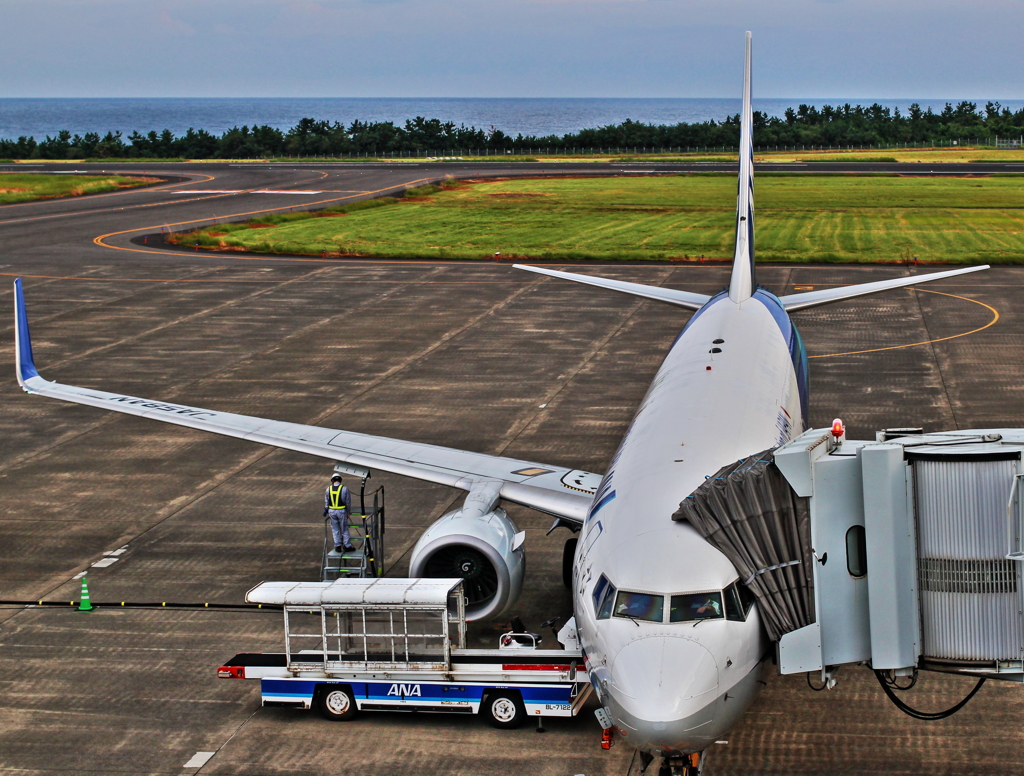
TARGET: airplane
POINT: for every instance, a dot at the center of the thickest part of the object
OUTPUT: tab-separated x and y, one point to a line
672	640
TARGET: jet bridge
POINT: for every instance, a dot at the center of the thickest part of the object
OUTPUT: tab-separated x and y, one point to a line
903	552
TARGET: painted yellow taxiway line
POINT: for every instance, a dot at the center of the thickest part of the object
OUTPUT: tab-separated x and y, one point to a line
990	308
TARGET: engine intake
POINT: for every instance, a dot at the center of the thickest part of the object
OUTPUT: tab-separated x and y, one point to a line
481	544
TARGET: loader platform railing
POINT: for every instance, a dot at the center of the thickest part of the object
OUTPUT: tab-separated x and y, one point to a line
366	529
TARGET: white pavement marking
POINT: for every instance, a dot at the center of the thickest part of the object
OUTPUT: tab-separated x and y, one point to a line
199	759
79	575
102	563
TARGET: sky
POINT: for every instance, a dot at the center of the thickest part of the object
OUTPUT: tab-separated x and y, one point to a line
930	49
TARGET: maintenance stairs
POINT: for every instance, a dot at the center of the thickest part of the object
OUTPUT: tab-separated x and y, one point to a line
366	530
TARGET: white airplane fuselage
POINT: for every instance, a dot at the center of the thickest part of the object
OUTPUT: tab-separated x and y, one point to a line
676	687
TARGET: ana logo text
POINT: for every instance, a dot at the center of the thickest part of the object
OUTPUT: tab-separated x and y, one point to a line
405	690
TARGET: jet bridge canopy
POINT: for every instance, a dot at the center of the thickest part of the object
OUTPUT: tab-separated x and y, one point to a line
748	511
904	552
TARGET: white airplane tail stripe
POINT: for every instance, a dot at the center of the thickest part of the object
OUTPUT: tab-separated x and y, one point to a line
742	284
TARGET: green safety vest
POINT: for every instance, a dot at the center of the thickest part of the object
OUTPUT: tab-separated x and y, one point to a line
335	497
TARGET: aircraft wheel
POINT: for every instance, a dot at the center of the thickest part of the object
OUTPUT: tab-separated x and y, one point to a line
504	710
568	556
337	703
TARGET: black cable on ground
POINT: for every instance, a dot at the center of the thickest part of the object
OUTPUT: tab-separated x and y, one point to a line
811	684
138	605
928	716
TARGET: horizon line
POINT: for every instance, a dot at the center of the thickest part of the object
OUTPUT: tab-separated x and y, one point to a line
436	97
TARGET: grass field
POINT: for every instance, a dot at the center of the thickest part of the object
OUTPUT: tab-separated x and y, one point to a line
800	218
24	187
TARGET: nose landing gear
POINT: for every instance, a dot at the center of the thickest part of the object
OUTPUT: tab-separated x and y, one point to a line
684	765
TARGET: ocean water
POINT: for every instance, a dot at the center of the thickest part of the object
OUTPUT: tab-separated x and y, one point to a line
528	116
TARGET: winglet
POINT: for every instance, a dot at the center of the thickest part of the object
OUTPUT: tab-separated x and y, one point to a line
26	364
742	284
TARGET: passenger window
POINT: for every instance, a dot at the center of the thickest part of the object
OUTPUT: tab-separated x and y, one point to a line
606	606
733	608
640	606
598	590
696	606
856	552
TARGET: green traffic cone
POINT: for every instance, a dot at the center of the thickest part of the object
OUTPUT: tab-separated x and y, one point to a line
85	605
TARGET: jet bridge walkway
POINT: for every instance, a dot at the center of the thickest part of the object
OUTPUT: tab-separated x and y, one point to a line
904	552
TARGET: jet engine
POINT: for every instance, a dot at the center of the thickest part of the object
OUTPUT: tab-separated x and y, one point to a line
481	544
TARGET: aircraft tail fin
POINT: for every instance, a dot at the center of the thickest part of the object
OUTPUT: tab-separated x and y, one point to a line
742	284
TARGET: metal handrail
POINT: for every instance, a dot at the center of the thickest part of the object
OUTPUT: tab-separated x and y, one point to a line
1011	554
399	639
508	638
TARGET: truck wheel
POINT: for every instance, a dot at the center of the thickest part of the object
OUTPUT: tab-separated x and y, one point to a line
504	710
568	556
337	703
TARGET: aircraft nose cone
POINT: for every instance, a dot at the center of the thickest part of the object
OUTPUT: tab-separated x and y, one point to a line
665	688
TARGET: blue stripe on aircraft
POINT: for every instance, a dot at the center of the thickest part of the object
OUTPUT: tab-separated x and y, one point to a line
600	505
797	351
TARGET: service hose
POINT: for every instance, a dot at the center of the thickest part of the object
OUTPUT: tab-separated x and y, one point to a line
928	716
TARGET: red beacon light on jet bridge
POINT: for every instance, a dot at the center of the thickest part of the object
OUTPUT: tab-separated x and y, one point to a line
838	431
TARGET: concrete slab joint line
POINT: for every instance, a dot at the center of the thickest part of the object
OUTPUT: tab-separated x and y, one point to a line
199	759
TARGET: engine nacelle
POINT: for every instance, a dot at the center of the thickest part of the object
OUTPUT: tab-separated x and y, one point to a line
484	548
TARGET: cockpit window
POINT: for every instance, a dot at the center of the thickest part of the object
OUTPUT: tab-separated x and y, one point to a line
747	598
640	606
733	606
696	606
605	610
602	582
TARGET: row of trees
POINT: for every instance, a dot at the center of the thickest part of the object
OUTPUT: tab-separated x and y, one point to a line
807	125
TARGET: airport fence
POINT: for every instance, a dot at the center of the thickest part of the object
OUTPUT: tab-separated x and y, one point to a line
516	152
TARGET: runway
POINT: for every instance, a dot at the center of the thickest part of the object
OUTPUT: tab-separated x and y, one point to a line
476	356
240	191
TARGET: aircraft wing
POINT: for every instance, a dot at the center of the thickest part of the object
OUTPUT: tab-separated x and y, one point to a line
556	490
794	302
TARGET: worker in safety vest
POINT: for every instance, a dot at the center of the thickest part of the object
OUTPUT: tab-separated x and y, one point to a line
337	505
